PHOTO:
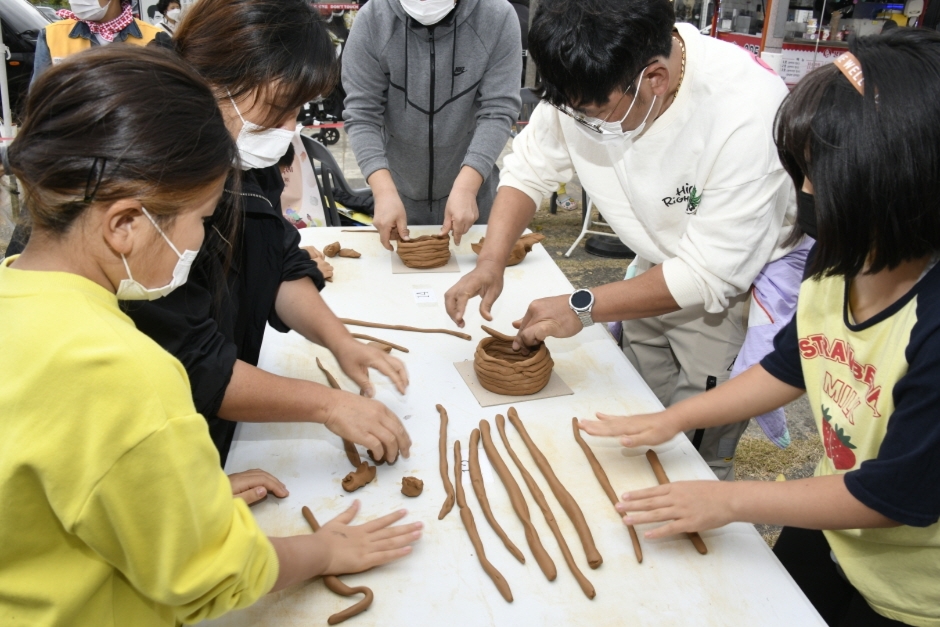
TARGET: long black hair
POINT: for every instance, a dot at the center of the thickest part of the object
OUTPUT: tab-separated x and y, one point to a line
873	159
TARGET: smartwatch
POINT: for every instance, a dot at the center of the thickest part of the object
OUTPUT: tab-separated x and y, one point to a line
581	303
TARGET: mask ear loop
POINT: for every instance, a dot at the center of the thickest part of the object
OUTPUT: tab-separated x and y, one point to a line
160	231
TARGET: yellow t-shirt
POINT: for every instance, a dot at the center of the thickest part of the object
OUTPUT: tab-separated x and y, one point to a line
115	511
874	389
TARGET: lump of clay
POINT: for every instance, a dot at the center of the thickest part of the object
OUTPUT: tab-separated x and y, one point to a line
332	250
519	250
425	252
372	457
411	486
349	252
359	477
504	371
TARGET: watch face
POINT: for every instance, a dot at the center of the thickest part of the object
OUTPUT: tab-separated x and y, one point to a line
581	299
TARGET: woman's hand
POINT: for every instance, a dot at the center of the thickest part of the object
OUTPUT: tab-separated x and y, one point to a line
253	485
639	430
355	358
689	505
367	422
355	549
322	264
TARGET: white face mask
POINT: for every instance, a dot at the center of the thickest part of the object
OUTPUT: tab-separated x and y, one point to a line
612	132
173	15
89	10
260	147
129	289
428	11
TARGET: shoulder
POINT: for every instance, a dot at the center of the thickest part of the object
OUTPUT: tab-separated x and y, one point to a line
490	19
63	27
925	334
149	31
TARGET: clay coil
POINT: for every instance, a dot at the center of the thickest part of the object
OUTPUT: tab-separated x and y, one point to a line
352	454
425	252
336	586
476	479
369	338
661	477
399	327
504	371
445	478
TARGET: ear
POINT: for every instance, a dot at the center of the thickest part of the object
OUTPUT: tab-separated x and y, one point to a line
125	227
658	75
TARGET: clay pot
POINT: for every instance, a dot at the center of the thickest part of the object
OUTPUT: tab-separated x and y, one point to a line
427	251
519	250
504	371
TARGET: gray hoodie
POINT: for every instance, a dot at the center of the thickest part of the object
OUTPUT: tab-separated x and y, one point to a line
423	102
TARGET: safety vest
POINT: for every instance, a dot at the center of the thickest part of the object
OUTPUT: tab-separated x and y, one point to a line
61	45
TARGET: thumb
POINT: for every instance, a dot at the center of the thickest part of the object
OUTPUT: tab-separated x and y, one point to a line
253	495
401	225
448	225
486	303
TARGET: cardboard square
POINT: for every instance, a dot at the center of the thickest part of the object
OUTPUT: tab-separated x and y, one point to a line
555	387
399	267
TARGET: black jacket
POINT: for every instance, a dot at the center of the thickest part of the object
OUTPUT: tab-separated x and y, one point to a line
217	316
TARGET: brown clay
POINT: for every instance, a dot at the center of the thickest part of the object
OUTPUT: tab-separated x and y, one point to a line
502	370
352	454
467	517
476	479
425	252
518	503
661	477
381	346
586	586
564	497
359	477
412	486
349	252
331	250
372	457
336	586
519	250
442	449
369	338
398	327
605	485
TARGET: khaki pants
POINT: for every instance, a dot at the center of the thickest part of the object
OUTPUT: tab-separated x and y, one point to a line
681	354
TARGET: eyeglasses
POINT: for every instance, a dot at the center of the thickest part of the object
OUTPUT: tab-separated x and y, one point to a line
593	124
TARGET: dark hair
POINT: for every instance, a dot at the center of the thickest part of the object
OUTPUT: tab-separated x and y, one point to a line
280	47
873	160
585	49
118	122
164	5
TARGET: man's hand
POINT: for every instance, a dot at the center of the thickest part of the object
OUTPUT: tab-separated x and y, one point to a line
367	422
546	317
486	281
389	219
461	211
690	505
355	358
253	485
639	430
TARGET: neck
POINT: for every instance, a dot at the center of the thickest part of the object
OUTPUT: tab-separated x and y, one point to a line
674	63
870	294
48	253
114	10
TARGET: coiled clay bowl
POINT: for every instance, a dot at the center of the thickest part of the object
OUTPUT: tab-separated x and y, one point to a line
504	371
427	251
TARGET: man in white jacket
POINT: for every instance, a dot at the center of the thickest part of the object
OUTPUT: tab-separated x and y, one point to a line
671	135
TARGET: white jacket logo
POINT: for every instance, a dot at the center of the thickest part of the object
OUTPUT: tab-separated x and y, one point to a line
686	194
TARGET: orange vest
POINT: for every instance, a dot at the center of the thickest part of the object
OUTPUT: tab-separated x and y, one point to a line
61	45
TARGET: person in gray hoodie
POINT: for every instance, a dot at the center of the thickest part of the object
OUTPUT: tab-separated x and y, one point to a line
432	90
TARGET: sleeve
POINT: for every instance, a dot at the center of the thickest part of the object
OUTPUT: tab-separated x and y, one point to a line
736	227
784	361
42	59
178	535
366	86
903	482
297	265
183	324
539	161
498	98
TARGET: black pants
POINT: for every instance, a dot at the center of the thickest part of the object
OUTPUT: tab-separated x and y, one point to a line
805	555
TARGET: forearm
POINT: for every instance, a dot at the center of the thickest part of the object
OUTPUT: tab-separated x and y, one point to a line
300	306
812	503
381	182
299	558
254	395
468	181
512	212
642	297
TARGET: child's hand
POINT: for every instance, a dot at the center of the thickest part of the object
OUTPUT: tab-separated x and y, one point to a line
690	505
639	430
355	549
254	485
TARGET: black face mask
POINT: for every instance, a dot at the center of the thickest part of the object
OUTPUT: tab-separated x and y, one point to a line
806	213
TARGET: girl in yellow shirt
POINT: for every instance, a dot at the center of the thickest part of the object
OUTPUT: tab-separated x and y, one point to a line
115	509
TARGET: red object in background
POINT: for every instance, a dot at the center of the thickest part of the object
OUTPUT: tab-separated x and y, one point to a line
751	43
336	7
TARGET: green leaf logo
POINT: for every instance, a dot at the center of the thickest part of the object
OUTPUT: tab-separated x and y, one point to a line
695	199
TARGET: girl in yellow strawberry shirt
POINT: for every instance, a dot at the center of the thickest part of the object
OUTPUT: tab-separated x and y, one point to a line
861	538
115	510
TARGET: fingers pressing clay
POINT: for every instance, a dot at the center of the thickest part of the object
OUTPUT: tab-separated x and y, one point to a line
518	503
334	584
369	338
476	478
372	457
398	327
351	453
442	449
349	252
412	486
425	252
660	473
381	346
539	497
362	475
605	484
467	517
332	249
564	497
